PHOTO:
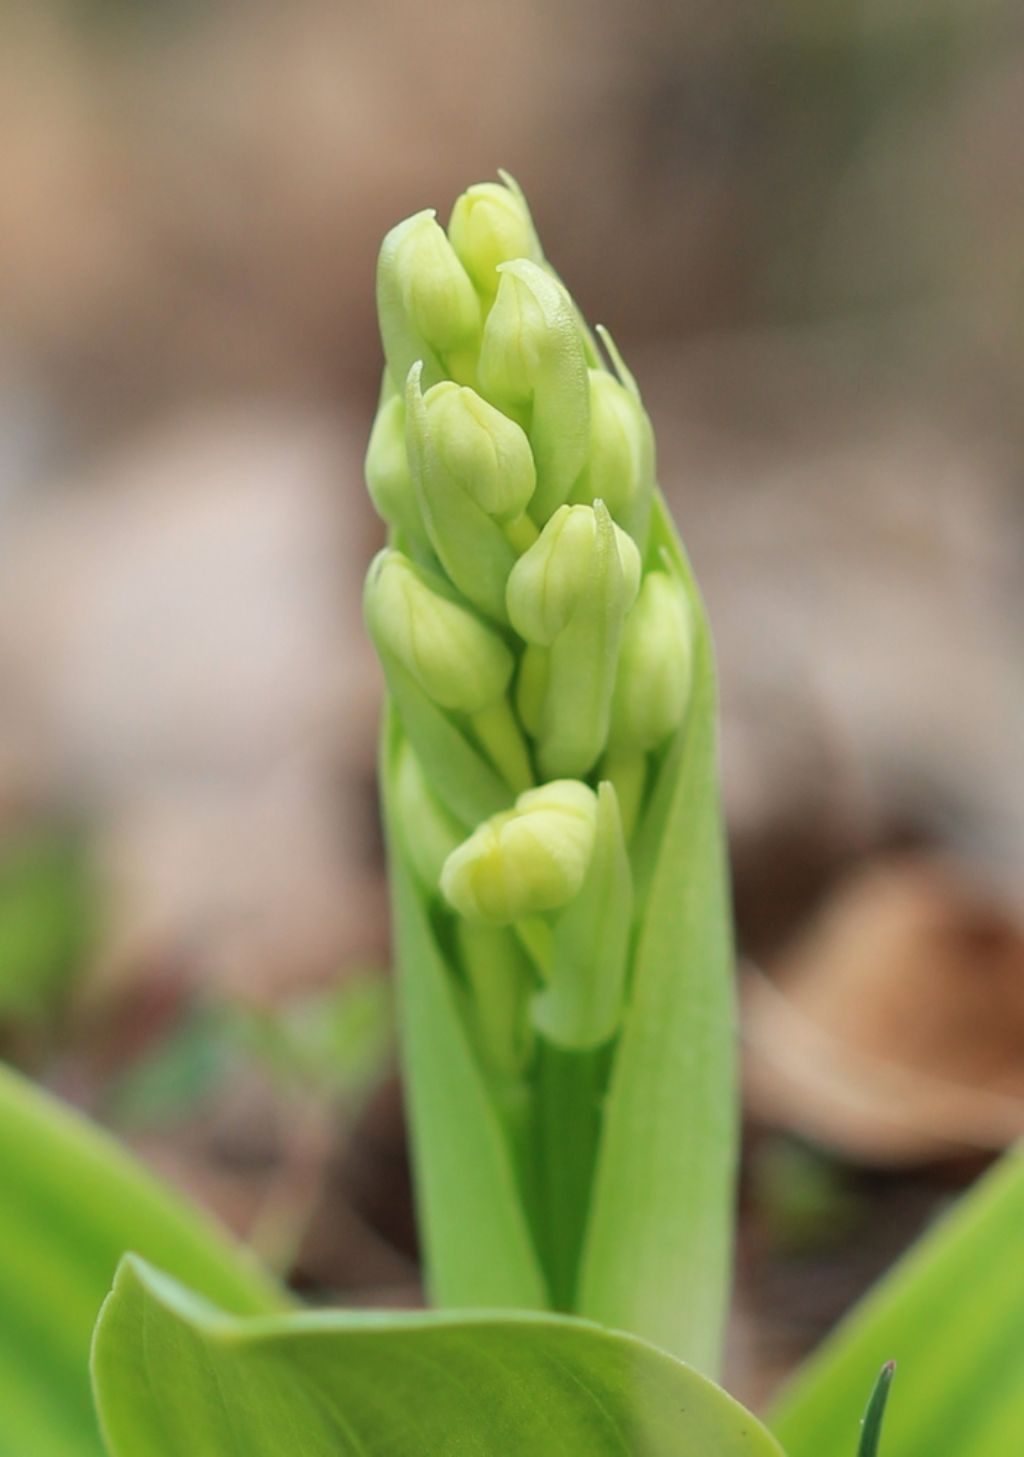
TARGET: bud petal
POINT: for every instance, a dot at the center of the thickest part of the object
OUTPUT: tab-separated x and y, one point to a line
570	592
620	464
655	666
428	831
426	301
490	224
470	546
458	662
387	469
555	576
527	860
485	452
514	343
532	362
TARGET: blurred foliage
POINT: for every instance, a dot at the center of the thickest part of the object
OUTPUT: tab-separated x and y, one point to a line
804	1198
46	921
329	1044
337	1041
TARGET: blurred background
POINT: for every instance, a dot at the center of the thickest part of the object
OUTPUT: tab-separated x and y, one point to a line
804	223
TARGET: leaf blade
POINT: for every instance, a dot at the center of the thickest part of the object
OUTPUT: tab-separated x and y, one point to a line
657	1258
478	1248
334	1384
952	1314
73	1202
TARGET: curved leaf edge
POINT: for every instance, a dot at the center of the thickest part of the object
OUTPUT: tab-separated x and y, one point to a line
137	1276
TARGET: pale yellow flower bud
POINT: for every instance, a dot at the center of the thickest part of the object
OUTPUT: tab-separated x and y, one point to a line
516	336
388	478
550	580
457	661
620	462
527	860
490	224
482	450
655	666
426	301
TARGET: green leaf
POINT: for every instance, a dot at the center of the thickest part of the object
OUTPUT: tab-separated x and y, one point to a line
174	1377
657	1259
952	1315
871	1427
463	781
72	1204
477	1244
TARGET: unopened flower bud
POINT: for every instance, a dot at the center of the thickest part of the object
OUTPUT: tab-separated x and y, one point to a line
533	364
457	661
427	303
387	469
526	860
491	224
620	462
655	666
516	335
568	594
549	582
481	449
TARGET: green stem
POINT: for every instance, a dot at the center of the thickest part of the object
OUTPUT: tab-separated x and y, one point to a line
521	533
627	770
570	1087
537	939
502	740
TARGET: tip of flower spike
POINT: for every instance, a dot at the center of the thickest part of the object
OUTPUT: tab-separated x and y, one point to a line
871	1427
426	301
490	225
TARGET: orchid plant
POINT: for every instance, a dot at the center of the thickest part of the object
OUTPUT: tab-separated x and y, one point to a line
562	932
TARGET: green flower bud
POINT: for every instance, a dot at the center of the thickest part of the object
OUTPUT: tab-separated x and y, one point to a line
533	364
427	304
470	545
491	224
527	860
387	469
620	464
514	343
457	661
482	450
569	593
549	582
652	686
428	832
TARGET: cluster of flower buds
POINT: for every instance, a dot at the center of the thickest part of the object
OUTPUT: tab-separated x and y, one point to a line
534	633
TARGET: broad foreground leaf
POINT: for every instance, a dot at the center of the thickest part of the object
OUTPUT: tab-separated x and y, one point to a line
72	1203
174	1377
952	1316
